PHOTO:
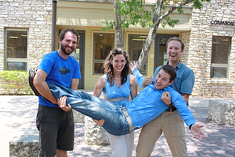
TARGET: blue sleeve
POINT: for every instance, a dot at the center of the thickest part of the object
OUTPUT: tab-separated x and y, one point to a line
139	77
47	63
156	71
182	108
77	73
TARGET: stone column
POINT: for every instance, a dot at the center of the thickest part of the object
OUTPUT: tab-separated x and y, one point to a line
222	111
94	134
78	117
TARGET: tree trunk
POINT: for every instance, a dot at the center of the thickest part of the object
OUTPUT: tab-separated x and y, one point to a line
157	18
151	36
118	28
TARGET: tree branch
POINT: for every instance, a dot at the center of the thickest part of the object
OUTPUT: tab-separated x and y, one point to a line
174	8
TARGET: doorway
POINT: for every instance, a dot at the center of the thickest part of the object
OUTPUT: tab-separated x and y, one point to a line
80	56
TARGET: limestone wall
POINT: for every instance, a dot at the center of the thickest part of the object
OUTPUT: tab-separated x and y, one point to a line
200	48
34	15
185	36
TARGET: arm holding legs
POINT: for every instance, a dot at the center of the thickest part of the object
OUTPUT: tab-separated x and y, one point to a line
62	104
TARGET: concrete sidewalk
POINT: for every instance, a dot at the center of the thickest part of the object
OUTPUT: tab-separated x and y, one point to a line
17	112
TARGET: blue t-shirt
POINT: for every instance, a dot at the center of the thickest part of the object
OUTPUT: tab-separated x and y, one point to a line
60	71
114	92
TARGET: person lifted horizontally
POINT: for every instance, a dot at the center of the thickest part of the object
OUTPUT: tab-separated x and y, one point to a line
141	110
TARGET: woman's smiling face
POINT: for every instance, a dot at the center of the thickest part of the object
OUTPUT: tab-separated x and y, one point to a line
118	63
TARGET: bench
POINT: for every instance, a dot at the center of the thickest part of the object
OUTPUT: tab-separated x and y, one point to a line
25	143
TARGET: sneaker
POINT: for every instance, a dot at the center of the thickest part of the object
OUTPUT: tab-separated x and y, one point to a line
31	77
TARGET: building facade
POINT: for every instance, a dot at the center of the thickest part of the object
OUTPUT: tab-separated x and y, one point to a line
212	49
209	36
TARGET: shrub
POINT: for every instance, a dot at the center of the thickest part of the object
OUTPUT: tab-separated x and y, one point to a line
15	82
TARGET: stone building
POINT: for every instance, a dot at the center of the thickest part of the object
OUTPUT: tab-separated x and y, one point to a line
27	34
212	49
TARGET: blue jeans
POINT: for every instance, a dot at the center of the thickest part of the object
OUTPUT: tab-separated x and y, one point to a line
94	107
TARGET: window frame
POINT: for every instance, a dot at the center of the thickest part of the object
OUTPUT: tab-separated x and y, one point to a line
217	65
99	60
24	60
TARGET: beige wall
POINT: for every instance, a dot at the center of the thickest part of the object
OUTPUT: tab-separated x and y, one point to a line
92	14
83	14
88	17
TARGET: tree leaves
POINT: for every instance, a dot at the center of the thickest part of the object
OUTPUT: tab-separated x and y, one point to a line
169	21
134	12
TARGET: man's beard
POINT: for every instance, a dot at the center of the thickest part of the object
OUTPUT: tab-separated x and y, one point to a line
64	50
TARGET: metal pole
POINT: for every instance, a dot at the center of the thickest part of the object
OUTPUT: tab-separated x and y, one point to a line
53	34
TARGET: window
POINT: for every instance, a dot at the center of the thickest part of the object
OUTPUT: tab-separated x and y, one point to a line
16	49
135	46
220	57
103	44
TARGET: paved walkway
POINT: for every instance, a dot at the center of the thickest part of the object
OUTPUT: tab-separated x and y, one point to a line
17	112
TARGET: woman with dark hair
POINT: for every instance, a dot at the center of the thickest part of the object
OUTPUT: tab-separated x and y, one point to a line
117	84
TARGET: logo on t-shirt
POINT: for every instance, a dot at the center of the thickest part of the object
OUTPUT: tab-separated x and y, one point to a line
64	70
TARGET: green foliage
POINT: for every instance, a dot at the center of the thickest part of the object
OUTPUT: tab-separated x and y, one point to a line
169	21
180	10
12	75
198	3
15	82
133	12
109	25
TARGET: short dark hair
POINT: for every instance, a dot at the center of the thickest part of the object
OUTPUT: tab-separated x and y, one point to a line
170	70
176	39
63	32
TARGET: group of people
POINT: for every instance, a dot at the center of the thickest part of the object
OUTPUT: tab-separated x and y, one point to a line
160	107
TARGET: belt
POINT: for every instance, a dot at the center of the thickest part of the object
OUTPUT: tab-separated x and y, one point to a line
117	99
128	118
171	109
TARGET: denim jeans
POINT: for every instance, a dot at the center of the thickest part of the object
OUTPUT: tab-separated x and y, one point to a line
94	107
